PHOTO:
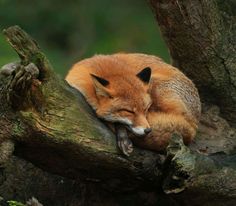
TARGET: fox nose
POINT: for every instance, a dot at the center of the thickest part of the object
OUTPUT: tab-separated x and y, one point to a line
147	130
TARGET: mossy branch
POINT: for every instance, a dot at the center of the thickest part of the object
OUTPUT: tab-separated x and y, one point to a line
56	130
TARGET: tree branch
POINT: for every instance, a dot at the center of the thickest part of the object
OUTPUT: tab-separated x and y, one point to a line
54	128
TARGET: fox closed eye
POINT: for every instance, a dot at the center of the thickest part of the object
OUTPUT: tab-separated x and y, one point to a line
126	110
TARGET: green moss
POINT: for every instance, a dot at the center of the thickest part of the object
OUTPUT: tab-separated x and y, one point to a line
14	203
17	129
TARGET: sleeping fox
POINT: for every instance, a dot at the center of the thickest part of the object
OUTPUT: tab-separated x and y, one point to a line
145	99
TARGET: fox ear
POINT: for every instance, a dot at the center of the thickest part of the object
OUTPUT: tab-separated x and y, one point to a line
145	75
100	85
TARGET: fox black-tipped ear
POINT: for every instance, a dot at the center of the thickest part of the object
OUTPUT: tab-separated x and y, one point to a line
145	75
102	81
100	86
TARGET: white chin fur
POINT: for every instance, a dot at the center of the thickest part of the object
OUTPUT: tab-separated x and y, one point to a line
125	121
138	130
117	119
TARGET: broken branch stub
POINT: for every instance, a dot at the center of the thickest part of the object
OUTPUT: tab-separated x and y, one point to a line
28	50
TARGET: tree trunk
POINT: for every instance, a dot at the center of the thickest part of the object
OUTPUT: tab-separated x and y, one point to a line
52	126
201	37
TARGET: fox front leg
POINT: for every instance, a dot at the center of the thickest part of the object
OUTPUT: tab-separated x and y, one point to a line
123	141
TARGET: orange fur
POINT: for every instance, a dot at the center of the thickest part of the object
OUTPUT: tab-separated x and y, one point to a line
163	126
175	102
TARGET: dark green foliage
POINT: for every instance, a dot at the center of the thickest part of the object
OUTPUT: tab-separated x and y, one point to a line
72	30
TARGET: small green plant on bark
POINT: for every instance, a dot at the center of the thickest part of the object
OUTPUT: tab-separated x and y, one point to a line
14	203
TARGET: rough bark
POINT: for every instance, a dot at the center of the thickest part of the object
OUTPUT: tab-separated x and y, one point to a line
53	127
201	37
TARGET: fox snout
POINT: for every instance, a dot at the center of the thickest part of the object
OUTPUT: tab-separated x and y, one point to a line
140	126
140	131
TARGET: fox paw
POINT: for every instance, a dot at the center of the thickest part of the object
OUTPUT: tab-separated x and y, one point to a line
123	141
125	145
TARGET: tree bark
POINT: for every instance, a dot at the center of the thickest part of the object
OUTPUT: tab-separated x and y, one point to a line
53	127
201	37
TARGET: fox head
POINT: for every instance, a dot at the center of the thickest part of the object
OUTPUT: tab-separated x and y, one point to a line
124	99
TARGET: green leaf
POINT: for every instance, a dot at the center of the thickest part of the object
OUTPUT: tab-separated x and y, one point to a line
14	203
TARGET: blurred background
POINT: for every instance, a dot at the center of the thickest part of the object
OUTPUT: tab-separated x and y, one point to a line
68	31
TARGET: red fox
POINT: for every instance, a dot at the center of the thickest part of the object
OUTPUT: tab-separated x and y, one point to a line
139	93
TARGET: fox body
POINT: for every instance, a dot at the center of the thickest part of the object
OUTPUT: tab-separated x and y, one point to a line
150	98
